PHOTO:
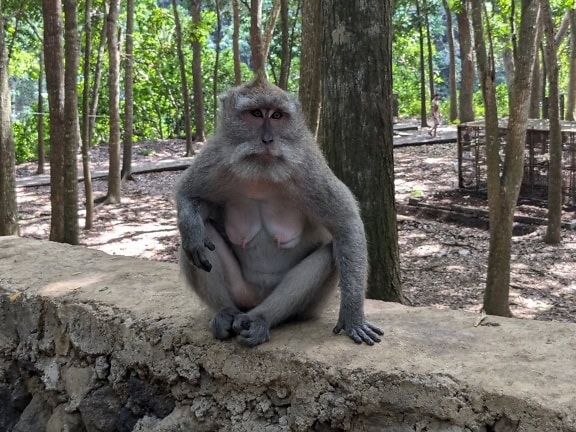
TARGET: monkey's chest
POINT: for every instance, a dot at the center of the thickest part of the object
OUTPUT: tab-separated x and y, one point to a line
277	218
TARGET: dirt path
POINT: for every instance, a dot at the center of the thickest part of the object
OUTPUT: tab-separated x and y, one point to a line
443	264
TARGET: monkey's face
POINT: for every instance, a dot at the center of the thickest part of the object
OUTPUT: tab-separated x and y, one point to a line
262	126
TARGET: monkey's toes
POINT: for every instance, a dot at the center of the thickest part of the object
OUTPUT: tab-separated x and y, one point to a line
251	331
222	323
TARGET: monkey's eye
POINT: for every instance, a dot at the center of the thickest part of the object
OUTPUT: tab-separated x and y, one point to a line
256	113
276	115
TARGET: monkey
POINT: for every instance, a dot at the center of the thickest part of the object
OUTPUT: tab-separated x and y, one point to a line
267	231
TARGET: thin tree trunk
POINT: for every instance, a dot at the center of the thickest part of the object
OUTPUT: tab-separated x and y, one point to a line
184	80
503	188
430	54
285	53
423	98
571	103
216	62
359	147
72	125
40	119
452	63
54	62
555	168
538	91
236	44
466	102
126	172
195	8
114	179
97	75
89	220
310	74
8	205
270	26
256	43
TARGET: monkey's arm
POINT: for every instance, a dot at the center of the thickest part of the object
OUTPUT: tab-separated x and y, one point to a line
193	211
338	211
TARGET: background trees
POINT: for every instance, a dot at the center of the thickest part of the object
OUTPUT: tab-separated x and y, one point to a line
212	44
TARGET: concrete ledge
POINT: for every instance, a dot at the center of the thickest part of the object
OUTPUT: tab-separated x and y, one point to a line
92	342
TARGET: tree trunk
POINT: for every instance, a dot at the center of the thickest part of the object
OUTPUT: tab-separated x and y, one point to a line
184	81
310	74
538	91
195	8
571	103
97	76
114	179
126	172
452	62
256	43
430	53
466	102
216	62
8	205
555	167
503	189
72	125
54	62
236	44
40	119
285	54
423	98
89	220
359	147
270	26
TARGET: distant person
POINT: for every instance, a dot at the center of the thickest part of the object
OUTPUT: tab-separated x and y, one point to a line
435	110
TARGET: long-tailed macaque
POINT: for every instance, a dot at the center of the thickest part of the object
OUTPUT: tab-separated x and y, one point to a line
267	230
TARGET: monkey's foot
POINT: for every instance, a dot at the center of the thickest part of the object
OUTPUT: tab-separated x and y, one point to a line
364	332
251	330
222	323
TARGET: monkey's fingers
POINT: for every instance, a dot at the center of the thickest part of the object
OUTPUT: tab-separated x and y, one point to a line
209	245
199	259
366	333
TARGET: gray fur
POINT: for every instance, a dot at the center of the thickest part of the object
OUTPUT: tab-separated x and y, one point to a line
255	285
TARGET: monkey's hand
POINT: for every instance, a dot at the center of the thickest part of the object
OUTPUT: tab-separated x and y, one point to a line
195	251
362	332
251	330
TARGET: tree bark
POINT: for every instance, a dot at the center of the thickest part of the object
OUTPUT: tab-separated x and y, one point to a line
126	172
466	101
538	91
8	205
430	56
359	147
256	43
114	179
503	189
285	53
423	98
195	8
236	44
85	129
571	103
310	74
72	125
40	119
184	81
216	63
452	66
54	64
555	167
97	76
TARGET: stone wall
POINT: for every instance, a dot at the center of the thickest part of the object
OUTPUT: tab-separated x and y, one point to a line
91	342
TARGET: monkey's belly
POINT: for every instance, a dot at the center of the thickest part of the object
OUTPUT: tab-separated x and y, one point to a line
278	218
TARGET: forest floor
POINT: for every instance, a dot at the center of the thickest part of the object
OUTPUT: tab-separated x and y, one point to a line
443	263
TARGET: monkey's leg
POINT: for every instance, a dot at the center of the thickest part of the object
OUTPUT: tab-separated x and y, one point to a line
222	288
305	286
